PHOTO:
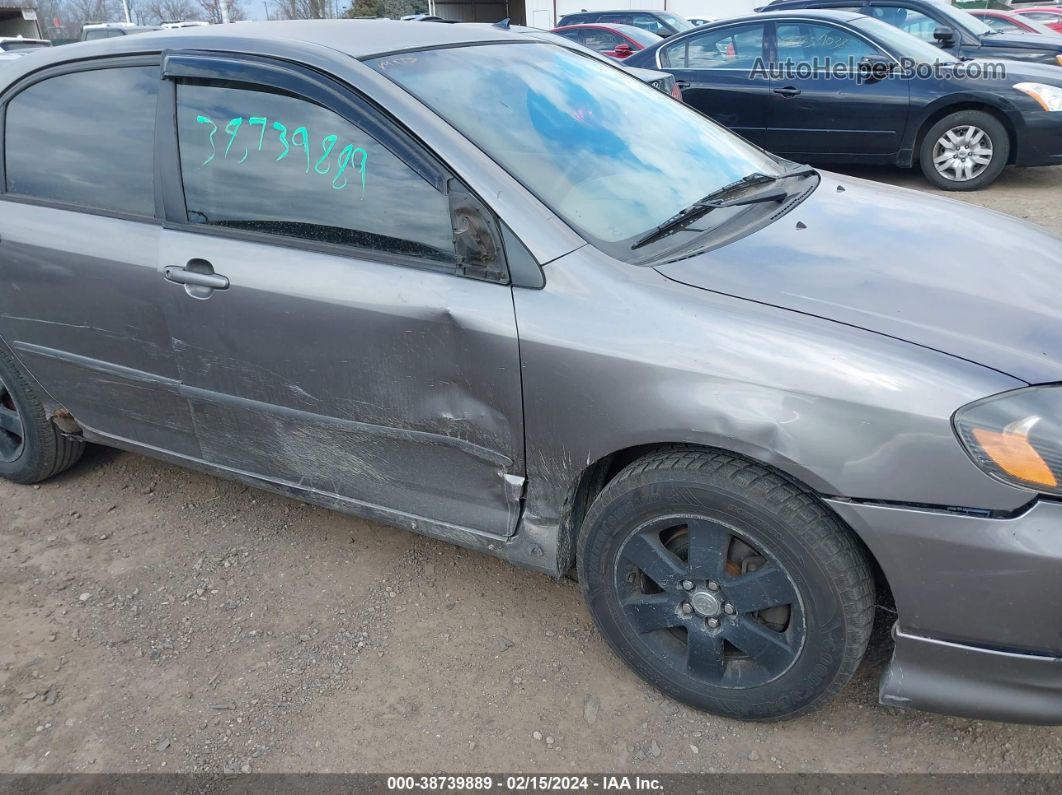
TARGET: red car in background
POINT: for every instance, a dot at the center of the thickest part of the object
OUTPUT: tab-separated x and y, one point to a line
616	41
1048	15
1010	22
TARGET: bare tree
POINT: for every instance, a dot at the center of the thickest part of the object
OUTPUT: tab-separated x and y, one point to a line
210	10
78	12
303	9
156	11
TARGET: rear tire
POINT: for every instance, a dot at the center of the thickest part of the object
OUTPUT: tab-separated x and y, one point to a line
967	150
726	585
31	448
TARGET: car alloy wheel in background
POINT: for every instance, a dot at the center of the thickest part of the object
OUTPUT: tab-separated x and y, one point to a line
963	153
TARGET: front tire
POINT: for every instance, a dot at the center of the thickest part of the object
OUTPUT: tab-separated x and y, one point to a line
31	448
726	585
964	151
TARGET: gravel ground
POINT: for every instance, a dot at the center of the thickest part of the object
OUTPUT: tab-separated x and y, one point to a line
156	619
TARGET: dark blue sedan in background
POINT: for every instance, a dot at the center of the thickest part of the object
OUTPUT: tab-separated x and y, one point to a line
842	87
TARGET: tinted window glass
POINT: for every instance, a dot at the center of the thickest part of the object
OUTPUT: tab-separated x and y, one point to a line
729	48
601	40
801	42
908	20
271	162
86	139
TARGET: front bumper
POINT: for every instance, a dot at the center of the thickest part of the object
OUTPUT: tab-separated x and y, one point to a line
979	604
1040	143
937	676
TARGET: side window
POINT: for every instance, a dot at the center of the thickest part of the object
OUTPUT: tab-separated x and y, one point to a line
87	139
266	161
1042	16
730	48
800	42
906	19
600	40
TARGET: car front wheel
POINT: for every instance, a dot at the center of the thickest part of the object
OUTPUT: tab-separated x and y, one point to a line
967	150
726	585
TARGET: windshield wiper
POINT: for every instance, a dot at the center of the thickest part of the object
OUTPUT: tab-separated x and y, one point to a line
736	194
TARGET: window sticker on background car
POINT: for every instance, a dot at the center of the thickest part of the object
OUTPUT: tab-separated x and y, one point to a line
299	138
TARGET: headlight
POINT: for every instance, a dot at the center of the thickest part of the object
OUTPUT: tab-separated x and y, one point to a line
1049	97
1016	437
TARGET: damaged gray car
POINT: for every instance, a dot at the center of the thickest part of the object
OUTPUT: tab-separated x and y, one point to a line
492	290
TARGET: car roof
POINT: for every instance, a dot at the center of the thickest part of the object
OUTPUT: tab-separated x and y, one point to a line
620	11
827	14
617	26
359	38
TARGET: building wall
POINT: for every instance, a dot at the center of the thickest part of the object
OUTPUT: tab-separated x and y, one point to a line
541	14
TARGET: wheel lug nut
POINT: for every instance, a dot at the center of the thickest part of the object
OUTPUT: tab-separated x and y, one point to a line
713	623
713	585
686	608
729	609
687	585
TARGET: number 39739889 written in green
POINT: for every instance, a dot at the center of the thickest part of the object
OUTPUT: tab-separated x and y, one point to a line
320	159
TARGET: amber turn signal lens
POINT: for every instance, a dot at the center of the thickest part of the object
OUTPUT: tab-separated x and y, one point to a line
1012	453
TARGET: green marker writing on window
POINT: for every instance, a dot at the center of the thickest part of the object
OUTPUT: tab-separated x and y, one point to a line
213	129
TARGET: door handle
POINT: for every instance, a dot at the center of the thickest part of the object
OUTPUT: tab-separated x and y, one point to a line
788	91
196	278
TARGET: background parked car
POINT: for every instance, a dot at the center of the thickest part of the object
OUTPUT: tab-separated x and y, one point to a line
1048	15
109	30
960	144
10	44
662	23
1009	22
953	29
661	81
615	41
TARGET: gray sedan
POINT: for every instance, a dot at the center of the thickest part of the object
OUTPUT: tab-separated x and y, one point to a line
492	290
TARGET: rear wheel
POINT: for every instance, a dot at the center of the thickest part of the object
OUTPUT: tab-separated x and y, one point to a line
726	585
31	447
965	151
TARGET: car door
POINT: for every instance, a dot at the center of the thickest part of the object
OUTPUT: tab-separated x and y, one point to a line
717	72
329	337
80	294
820	104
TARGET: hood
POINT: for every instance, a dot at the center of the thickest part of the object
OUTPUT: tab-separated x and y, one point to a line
1023	41
1018	71
936	272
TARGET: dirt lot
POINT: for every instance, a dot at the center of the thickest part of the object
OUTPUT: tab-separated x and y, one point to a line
155	619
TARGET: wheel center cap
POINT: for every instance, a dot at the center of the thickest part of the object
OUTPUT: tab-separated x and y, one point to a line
706	603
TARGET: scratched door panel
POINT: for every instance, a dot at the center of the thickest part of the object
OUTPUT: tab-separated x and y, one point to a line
382	384
80	304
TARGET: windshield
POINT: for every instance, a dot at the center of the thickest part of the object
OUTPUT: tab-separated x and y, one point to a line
902	44
678	23
964	20
610	155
